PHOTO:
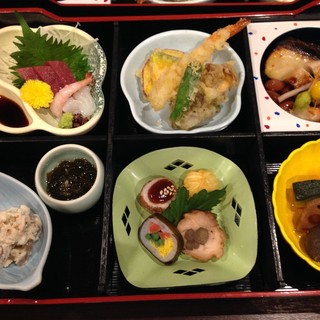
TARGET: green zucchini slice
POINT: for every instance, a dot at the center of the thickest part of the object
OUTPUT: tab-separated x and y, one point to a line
304	190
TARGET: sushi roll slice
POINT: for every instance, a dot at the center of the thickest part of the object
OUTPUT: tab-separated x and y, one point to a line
156	195
161	239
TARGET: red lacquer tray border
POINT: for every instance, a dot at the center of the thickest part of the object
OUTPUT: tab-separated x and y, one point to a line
163	297
106	18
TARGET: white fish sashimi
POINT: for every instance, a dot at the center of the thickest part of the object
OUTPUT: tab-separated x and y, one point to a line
81	102
65	93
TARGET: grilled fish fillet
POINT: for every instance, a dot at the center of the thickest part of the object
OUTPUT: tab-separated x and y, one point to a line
290	61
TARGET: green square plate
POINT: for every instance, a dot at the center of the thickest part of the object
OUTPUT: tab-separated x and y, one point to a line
236	214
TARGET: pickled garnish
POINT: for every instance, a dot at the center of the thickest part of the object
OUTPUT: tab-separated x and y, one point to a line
71	179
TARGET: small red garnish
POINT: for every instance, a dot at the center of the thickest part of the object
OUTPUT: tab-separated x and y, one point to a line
153	227
164	235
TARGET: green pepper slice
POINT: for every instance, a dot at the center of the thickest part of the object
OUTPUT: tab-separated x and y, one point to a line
186	88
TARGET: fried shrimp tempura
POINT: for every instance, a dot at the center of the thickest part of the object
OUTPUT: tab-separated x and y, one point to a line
167	85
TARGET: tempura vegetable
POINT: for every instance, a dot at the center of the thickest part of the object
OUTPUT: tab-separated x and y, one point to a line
165	88
186	90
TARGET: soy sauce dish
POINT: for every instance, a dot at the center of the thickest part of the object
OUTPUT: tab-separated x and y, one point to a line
70	178
27	118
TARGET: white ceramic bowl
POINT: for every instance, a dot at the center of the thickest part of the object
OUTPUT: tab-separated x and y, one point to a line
14	193
42	119
184	40
52	159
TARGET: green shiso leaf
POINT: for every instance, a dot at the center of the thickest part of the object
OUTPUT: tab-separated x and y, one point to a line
202	200
36	49
205	200
177	207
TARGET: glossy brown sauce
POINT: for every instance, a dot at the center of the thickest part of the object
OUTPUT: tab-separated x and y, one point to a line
11	114
161	191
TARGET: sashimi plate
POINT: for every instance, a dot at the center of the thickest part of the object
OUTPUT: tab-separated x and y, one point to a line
42	119
236	214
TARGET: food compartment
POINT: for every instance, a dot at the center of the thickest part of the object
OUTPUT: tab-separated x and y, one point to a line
293	271
287	63
40	120
262	276
72	267
139	31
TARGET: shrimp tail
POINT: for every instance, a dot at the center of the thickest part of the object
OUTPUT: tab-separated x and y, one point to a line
238	26
217	40
165	88
65	93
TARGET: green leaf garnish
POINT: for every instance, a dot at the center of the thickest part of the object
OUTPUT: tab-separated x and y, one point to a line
202	200
205	200
177	207
36	49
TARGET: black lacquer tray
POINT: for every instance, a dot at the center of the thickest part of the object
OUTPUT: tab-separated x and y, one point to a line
82	266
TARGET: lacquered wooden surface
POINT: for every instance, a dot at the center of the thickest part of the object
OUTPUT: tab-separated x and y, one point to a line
100	312
275	308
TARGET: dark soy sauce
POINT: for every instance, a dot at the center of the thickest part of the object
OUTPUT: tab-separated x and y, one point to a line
11	114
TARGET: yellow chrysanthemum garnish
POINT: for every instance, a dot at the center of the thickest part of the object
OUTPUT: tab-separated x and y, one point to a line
195	181
37	94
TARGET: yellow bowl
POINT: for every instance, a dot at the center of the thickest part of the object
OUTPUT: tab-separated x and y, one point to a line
302	164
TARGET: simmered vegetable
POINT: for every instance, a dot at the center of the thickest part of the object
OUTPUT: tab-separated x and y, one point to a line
307	204
307	189
315	90
312	243
302	100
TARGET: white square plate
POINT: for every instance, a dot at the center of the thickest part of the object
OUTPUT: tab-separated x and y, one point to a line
272	117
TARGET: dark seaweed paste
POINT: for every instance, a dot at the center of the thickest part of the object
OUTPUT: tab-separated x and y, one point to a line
71	179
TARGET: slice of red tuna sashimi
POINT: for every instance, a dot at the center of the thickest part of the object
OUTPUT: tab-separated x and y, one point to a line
28	73
62	70
48	75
